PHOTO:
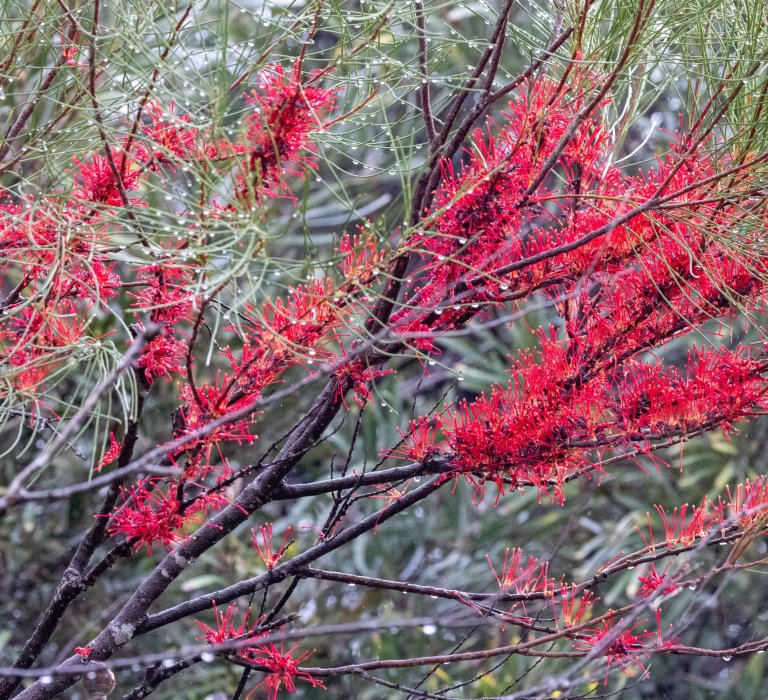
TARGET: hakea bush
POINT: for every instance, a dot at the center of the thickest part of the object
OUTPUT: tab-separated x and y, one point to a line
538	208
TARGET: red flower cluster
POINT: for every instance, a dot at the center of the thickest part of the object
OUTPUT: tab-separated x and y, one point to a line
281	667
154	512
519	577
625	647
285	111
748	503
550	422
58	278
744	510
499	229
169	137
652	580
626	274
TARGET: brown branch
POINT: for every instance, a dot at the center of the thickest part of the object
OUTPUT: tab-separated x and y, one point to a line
133	618
426	99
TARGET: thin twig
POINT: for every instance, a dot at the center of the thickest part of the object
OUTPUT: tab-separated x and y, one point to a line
426	100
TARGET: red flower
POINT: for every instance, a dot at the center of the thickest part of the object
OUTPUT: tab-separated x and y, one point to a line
68	54
162	357
574	608
651	581
210	403
168	293
282	669
96	182
285	111
171	135
111	454
149	515
748	502
361	258
418	444
266	550
390	494
357	376
679	530
225	629
153	513
625	648
519	577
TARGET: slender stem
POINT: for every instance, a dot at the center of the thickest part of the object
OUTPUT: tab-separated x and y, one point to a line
426	99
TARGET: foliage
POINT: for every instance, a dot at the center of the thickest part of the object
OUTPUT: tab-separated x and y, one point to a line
429	297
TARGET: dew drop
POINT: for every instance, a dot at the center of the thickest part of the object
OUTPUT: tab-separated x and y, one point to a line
727	658
207	657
